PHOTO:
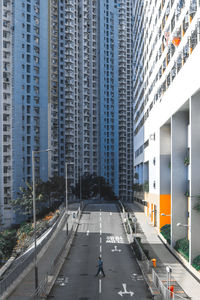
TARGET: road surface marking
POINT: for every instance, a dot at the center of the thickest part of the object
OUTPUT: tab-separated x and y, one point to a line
100	225
100	239
87	232
115	249
100	232
110	214
99	286
114	239
125	292
100	248
136	277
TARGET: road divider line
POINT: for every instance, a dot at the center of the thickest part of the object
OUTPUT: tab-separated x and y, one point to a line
100	232
100	225
99	286
100	249
100	240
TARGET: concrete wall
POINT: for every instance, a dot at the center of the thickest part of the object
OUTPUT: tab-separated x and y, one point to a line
165	159
179	130
195	175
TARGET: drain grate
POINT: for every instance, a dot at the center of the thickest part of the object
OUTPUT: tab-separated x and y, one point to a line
84	245
84	274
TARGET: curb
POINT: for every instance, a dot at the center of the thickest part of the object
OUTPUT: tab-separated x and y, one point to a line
64	256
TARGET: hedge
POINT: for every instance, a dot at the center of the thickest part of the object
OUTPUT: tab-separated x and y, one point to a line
182	246
166	232
196	263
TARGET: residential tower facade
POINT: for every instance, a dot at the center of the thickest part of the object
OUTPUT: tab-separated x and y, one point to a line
166	126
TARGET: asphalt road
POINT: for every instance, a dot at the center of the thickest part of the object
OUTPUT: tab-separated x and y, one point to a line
100	233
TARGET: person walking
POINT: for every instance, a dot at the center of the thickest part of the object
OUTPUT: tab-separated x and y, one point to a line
100	267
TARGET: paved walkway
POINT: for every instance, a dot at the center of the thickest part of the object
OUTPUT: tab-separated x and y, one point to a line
164	257
26	288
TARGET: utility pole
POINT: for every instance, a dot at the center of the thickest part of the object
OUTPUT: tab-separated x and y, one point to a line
66	191
80	186
34	222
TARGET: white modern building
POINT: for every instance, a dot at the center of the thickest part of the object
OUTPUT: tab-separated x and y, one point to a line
166	115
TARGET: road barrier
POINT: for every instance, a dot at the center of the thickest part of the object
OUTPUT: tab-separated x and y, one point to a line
167	294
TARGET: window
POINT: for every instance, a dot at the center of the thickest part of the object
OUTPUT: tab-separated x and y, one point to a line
28	38
28	18
28	48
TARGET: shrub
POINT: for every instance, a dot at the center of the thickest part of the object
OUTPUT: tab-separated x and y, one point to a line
127	227
7	242
196	263
182	246
166	232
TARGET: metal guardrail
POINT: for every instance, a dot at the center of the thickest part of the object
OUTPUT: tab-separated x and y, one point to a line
144	258
165	292
53	271
11	277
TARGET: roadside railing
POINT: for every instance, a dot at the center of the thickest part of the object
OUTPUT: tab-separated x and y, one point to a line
18	270
165	292
49	278
142	256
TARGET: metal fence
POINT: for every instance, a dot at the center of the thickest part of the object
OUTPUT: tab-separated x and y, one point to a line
165	292
47	282
18	270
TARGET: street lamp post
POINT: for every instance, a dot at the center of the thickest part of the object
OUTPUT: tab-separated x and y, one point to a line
34	215
164	215
34	222
66	187
182	225
80	187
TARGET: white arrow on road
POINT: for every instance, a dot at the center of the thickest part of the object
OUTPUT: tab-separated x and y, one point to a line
87	232
125	292
116	250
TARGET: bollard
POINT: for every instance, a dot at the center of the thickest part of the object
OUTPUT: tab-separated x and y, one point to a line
154	262
171	290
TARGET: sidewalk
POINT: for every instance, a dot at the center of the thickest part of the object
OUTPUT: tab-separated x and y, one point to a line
163	256
26	287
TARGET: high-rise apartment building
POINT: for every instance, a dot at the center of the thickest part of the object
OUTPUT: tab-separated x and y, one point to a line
82	88
23	97
166	115
99	104
65	86
115	96
56	87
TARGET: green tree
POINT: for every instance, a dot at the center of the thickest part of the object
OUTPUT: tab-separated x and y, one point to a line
53	188
92	185
24	202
